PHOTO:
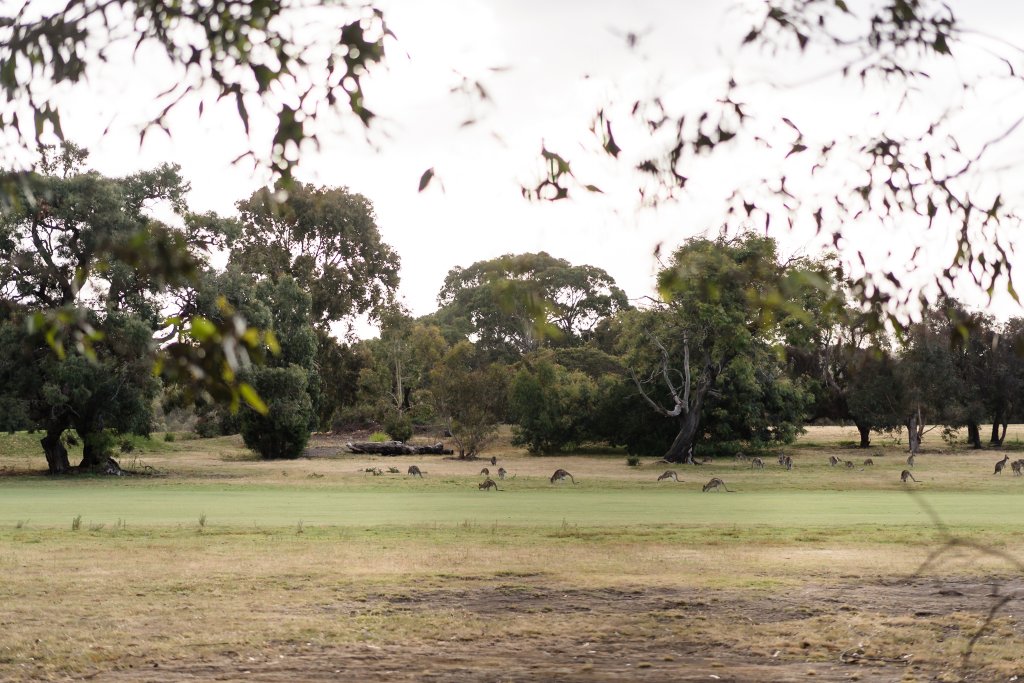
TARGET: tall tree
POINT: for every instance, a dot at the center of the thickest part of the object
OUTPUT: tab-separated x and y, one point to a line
71	255
517	303
326	239
712	315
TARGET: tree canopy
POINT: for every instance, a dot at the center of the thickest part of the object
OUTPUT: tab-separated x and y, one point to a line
326	239
518	302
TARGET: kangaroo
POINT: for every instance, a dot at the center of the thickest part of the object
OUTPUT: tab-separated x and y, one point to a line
1016	467
850	465
833	461
1001	464
905	475
787	462
757	462
669	474
415	471
494	460
740	457
488	483
910	459
716	484
782	459
560	475
501	473
486	472
869	462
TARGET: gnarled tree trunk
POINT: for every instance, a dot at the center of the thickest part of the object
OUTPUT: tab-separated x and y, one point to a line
56	453
687	404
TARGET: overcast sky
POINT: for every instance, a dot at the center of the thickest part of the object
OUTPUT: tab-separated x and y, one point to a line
558	63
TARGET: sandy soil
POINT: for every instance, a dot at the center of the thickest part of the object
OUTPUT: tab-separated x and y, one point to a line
655	648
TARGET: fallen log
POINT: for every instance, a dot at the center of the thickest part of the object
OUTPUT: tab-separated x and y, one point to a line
395	448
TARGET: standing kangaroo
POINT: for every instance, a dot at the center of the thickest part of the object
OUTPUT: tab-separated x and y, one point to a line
905	475
1016	466
833	461
1001	464
560	475
716	484
415	471
488	483
910	459
787	462
669	474
501	473
758	463
494	460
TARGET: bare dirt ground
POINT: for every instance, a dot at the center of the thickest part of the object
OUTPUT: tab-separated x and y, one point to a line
834	632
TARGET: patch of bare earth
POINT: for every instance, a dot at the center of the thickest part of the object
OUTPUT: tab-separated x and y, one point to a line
838	631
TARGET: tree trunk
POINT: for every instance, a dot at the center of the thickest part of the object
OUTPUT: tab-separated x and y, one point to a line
93	453
681	449
997	435
973	434
913	433
56	453
865	434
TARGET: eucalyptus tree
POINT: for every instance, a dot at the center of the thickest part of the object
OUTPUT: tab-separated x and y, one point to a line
327	240
518	303
712	323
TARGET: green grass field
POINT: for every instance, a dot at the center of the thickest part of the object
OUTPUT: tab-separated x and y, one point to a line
215	564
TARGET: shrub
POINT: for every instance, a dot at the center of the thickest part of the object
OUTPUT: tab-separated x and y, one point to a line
633	460
284	430
378	437
551	407
398	427
169	437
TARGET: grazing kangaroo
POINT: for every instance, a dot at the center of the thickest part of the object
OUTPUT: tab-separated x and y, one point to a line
740	457
488	483
415	471
869	462
669	474
910	459
833	461
1001	464
486	472
560	475
1016	467
905	475
850	465
787	462
494	460
758	463
716	484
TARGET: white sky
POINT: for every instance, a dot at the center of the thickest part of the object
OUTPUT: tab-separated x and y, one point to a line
562	60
